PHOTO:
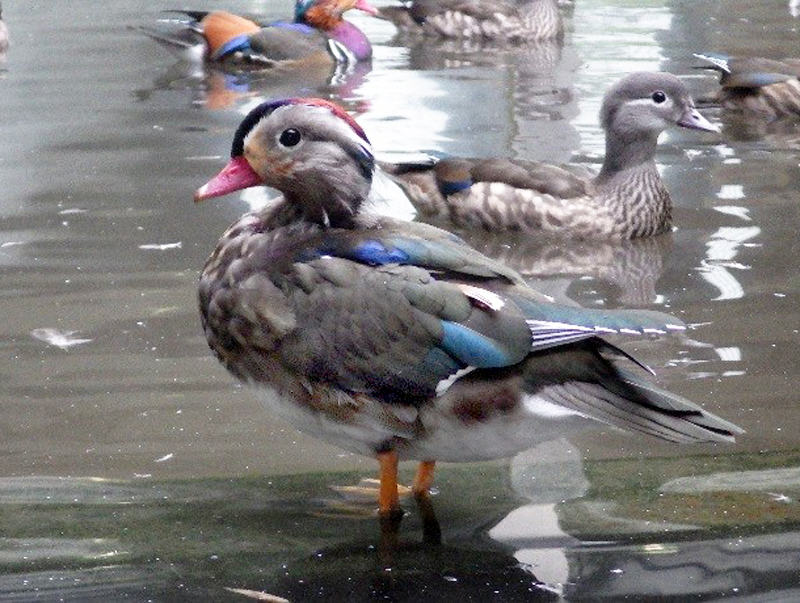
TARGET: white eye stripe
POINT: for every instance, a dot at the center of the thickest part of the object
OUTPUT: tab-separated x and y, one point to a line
649	101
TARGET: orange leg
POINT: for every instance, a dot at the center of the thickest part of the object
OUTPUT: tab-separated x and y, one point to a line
423	479
388	501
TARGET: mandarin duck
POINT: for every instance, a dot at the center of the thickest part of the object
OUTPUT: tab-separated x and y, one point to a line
627	199
502	20
758	87
394	339
318	35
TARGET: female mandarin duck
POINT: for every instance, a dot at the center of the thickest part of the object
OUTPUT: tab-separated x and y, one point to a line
757	87
395	339
318	34
627	199
529	21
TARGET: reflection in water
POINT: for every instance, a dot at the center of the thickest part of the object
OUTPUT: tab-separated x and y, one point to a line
714	568
722	248
215	87
777	134
410	572
532	77
201	538
630	268
546	475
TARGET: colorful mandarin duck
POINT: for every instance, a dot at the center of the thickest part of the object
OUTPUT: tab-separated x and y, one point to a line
528	21
395	339
627	199
318	34
757	87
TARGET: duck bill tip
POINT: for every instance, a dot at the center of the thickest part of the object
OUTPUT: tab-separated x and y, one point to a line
235	176
694	121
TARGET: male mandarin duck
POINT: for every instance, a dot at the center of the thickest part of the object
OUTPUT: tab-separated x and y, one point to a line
318	34
627	199
505	20
394	339
758	87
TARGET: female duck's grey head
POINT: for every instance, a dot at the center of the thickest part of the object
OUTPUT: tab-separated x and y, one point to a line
647	103
636	110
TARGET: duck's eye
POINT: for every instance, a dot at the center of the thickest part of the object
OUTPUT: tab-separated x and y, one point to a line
290	137
659	97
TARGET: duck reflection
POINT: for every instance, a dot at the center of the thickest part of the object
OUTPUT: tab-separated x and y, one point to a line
413	572
223	87
536	75
776	134
613	273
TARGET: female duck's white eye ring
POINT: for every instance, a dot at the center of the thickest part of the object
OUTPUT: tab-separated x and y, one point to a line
290	137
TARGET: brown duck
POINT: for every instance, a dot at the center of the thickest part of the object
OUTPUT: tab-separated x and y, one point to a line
501	20
757	87
627	199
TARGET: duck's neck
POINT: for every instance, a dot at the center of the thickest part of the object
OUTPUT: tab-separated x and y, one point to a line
331	202
339	30
353	38
624	152
630	187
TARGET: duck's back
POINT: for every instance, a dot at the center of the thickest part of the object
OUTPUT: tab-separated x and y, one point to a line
756	86
487	19
289	42
506	195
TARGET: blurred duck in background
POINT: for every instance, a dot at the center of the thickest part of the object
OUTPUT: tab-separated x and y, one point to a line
3	36
317	36
756	87
500	20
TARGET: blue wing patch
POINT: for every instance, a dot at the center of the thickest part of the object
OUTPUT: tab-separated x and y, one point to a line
239	43
376	253
451	187
472	348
